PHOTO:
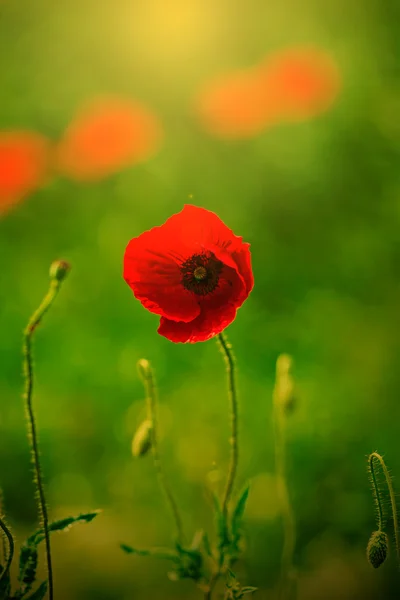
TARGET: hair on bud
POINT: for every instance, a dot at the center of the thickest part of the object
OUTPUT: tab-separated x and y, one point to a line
59	269
377	548
141	443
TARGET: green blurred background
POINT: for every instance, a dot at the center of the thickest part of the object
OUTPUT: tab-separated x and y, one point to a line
320	204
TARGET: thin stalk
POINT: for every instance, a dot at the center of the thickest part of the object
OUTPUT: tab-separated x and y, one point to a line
3	535
234	459
10	539
58	271
279	399
372	457
226	350
151	401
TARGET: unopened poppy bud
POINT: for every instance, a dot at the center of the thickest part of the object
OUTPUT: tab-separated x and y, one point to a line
141	442
377	548
59	269
144	368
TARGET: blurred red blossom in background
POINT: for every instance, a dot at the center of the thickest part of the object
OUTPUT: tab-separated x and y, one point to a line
106	135
292	84
24	163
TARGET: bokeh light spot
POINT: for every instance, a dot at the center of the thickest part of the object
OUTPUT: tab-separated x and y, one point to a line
24	161
106	135
301	82
235	105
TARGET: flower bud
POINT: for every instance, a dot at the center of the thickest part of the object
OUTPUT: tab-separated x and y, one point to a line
144	368
59	269
377	548
141	442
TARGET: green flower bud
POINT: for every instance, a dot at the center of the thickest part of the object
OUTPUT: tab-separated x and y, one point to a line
141	442
144	368
377	548
59	269
284	392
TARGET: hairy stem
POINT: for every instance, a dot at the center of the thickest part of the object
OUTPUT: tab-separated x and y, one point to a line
33	437
279	399
151	401
226	350
230	369
10	539
374	456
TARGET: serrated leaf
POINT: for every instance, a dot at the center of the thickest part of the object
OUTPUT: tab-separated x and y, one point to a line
40	592
238	512
164	553
5	586
61	525
221	524
28	561
206	544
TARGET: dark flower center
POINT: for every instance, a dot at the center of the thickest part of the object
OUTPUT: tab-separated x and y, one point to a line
200	273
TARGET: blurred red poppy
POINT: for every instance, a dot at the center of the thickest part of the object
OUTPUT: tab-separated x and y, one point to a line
24	161
235	105
300	82
107	135
193	271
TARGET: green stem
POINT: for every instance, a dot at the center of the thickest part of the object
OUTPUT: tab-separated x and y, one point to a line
282	488
151	401
10	539
3	536
226	350
230	369
372	457
28	368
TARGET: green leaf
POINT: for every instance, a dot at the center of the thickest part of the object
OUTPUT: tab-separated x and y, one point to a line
238	511
248	589
164	553
206	544
28	561
5	586
61	525
40	592
221	524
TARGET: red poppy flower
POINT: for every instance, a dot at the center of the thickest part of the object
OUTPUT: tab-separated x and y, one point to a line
106	135
193	271
24	161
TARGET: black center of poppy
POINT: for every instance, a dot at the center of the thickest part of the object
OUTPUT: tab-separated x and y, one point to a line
200	273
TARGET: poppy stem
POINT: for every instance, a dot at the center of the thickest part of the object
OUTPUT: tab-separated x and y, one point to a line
226	350
147	376
281	390
372	458
7	533
58	271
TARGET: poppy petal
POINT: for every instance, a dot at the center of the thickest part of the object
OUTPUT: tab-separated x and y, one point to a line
204	327
152	270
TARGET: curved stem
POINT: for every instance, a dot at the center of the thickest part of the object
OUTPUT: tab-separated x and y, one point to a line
151	400
230	369
282	488
10	539
28	368
375	456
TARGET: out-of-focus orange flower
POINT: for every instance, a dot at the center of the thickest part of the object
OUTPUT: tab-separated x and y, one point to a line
235	105
293	84
24	161
300	82
106	135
